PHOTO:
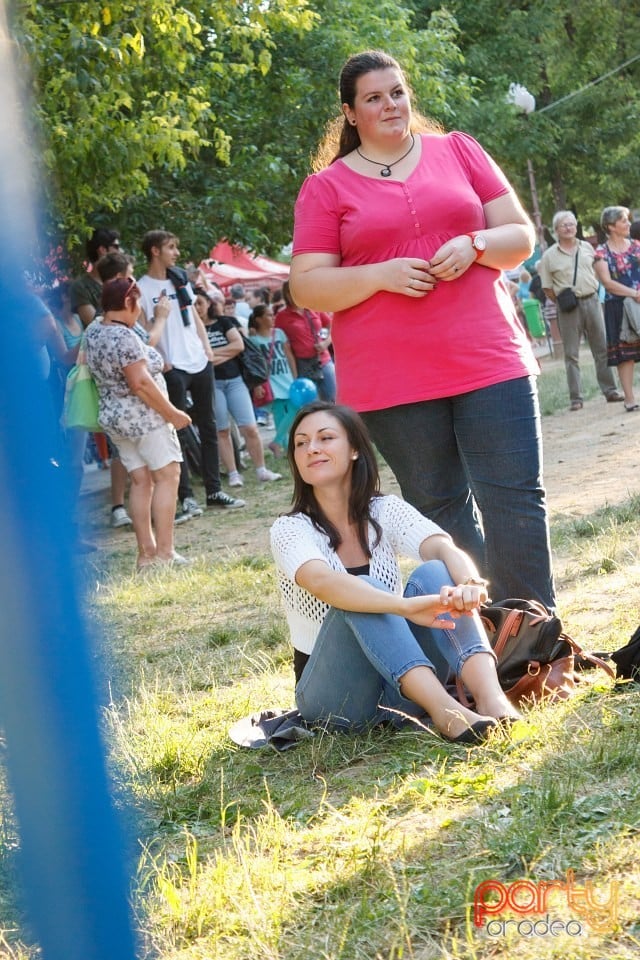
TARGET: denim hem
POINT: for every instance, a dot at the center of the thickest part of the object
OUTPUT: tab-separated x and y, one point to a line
417	662
476	648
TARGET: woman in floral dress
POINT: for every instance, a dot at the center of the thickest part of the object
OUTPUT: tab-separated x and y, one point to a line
617	266
136	413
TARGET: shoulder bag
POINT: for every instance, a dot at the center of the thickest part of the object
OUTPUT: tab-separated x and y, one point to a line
253	364
566	298
630	327
81	403
627	659
536	658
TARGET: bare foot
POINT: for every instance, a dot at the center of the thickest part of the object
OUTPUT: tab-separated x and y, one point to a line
499	706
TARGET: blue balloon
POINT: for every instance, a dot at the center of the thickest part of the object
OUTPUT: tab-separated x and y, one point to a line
302	391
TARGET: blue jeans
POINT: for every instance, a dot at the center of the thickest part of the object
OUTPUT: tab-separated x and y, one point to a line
232	397
353	673
473	465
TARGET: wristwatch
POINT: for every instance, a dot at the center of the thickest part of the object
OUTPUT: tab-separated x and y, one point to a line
478	243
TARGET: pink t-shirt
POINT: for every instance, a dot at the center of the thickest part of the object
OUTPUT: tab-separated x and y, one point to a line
391	349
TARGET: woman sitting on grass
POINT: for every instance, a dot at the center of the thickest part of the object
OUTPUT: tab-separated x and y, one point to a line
363	651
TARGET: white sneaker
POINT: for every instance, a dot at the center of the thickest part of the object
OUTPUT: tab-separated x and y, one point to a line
266	476
177	560
120	517
157	563
234	479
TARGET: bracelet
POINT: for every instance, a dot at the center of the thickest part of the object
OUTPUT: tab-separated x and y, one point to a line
475	582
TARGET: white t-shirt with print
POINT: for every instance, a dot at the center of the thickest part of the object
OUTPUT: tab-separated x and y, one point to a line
179	345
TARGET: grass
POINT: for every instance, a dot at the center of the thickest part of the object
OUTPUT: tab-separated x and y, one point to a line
365	847
552	385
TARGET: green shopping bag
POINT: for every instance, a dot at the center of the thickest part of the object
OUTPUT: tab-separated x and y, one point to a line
80	410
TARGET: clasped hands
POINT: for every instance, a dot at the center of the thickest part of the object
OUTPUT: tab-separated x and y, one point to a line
414	277
441	610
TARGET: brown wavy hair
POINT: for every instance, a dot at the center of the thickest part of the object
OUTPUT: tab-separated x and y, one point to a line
365	477
342	137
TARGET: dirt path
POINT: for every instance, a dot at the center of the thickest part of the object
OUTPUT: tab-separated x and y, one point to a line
591	458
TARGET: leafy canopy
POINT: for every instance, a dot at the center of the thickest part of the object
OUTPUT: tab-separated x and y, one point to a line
202	118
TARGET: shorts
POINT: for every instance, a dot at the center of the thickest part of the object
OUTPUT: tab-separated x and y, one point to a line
114	453
153	450
233	397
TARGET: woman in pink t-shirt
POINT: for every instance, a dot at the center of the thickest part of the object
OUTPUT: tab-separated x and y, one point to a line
403	236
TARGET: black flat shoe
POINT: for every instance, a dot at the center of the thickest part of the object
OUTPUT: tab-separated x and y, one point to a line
474	734
507	721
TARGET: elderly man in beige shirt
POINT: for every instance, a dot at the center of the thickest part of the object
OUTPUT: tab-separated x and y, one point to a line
557	269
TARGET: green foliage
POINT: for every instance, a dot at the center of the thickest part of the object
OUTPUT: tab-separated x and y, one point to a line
126	93
276	120
202	118
583	148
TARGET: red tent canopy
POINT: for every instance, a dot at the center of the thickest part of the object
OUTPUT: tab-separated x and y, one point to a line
236	265
225	276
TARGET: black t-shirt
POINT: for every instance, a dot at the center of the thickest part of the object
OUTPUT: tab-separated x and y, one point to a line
217	334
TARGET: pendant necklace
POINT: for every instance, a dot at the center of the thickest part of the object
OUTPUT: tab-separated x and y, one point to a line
386	167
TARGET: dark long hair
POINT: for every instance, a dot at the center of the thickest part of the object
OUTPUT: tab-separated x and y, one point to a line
342	137
257	312
211	310
365	478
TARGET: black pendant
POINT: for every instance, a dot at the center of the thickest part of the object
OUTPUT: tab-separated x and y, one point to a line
385	172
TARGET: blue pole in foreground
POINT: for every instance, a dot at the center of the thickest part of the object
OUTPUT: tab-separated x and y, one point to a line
72	859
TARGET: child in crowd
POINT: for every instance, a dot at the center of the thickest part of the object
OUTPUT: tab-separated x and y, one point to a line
282	371
524	285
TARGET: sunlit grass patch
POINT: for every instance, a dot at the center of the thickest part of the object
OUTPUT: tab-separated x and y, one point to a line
357	846
353	847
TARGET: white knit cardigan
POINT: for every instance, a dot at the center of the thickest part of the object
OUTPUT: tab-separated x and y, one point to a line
295	541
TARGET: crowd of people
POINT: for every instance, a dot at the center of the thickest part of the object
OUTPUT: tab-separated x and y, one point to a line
199	332
402	237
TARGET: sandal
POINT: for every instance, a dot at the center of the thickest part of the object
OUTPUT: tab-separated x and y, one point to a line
630	407
576	405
